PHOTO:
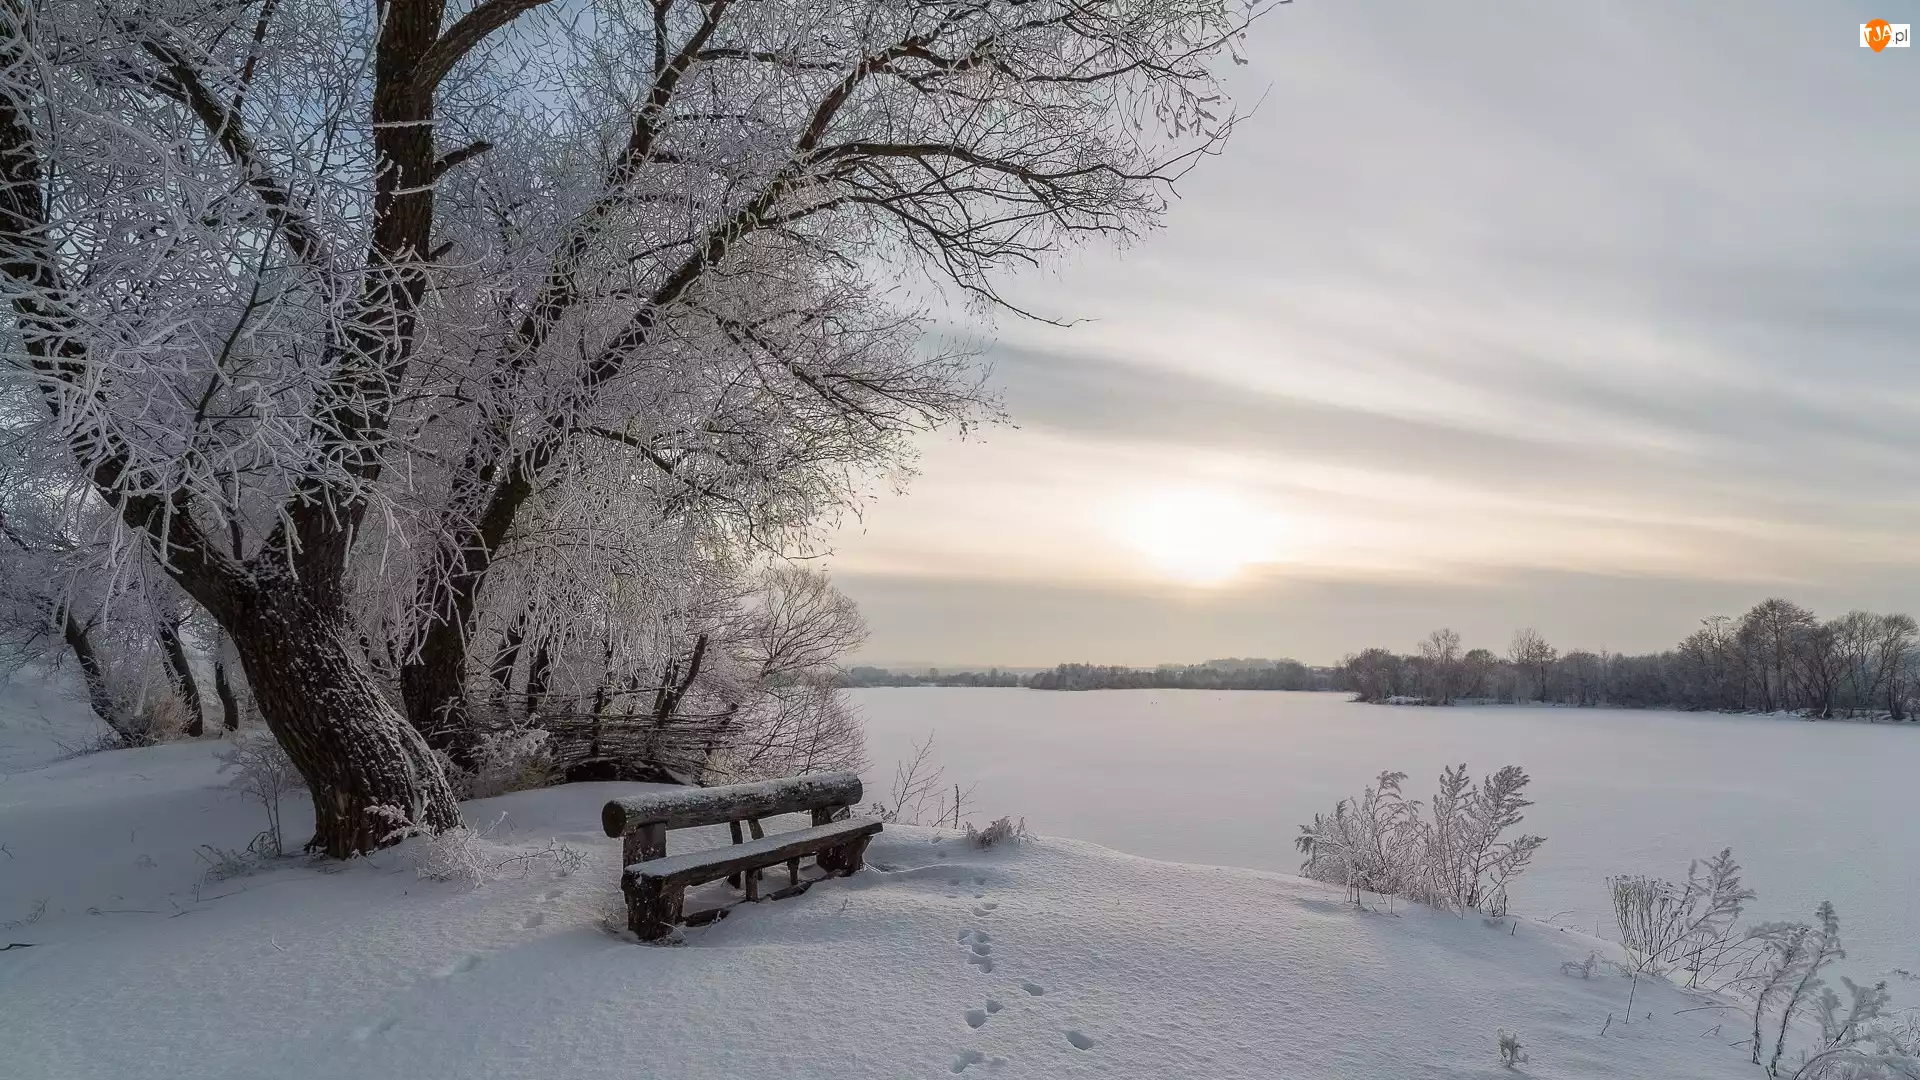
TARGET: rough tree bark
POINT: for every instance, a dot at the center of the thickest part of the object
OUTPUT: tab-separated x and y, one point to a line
91	672
229	702
173	653
369	771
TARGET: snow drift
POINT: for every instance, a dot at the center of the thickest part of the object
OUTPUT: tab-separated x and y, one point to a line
1048	958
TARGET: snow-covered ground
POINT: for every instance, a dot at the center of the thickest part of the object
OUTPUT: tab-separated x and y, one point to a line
1055	958
1815	811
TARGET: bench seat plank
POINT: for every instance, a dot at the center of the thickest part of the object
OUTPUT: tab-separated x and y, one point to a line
699	867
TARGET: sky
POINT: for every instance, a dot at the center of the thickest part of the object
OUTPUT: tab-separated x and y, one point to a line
1599	320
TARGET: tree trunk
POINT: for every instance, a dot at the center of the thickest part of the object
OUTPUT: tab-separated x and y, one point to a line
91	672
173	653
539	673
433	686
508	657
369	771
229	703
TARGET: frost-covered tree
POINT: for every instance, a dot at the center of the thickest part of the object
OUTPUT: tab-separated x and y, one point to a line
304	287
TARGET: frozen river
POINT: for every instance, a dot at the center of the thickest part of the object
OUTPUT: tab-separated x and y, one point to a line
1814	811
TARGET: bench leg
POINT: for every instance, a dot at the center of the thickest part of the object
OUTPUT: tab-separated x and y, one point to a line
652	908
793	872
733	880
853	856
643	843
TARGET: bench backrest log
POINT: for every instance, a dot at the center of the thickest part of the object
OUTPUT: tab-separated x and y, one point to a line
689	807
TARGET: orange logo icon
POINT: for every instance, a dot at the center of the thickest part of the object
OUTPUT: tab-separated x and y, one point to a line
1879	33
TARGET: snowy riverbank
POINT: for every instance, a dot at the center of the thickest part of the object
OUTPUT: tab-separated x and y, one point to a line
1053	959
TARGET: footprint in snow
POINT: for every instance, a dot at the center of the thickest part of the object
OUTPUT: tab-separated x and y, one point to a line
1079	1041
984	908
534	920
966	1058
368	1031
553	894
462	966
1033	988
981	961
976	1018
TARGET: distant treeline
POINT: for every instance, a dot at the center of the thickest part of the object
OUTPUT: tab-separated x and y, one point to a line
873	676
1777	657
1229	674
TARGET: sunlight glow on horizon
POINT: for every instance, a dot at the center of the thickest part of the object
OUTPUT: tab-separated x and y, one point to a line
1202	538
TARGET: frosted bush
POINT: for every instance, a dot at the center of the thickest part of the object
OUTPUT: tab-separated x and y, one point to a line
920	790
1667	925
1583	968
1512	1054
514	759
1453	856
262	773
450	855
1001	831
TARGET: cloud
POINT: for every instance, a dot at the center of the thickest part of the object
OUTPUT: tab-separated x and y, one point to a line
1621	293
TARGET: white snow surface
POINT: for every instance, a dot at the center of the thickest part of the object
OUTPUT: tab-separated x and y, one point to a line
1814	811
1052	958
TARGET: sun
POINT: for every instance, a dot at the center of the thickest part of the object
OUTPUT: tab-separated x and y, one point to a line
1200	537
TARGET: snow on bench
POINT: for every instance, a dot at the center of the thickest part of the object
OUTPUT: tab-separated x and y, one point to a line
655	883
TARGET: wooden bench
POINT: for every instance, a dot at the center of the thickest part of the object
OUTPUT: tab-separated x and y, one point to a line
655	883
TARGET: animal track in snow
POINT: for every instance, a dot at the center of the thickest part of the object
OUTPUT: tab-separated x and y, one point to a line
1079	1041
994	1006
368	1031
976	1018
1033	988
462	966
979	948
966	1058
534	920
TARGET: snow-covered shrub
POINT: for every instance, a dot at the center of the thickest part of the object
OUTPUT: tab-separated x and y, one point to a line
1512	1054
919	793
1583	968
517	758
162	719
1453	857
562	857
1369	844
1666	925
1789	980
223	863
1000	831
439	854
450	855
263	773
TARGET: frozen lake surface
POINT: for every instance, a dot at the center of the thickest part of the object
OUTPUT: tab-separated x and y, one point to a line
1814	811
